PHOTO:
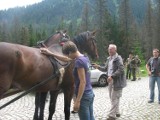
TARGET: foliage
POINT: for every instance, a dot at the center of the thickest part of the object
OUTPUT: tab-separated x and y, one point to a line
117	21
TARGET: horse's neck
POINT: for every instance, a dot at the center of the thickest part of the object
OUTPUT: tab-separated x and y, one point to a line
51	41
56	48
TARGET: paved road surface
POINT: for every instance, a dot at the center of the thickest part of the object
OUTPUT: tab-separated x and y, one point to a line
133	105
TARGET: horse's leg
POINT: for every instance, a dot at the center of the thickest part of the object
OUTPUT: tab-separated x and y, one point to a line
5	83
68	94
37	104
42	104
52	105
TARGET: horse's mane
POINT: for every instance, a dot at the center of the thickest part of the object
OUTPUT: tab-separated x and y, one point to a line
80	39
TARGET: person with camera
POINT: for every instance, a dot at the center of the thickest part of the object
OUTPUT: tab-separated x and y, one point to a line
153	69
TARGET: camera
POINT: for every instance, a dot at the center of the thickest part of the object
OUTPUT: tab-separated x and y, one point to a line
153	70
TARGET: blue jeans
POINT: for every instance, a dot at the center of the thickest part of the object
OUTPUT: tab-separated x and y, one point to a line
86	106
152	81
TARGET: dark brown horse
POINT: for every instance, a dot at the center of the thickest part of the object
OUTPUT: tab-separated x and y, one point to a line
25	66
85	43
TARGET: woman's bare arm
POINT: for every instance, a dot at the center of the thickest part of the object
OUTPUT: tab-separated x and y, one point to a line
58	56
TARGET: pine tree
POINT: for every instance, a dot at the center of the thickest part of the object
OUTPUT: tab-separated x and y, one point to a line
5	33
101	21
61	24
157	26
24	36
0	33
15	30
85	17
147	35
126	21
31	36
71	29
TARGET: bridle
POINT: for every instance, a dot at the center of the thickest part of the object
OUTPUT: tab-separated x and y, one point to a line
42	44
63	37
92	39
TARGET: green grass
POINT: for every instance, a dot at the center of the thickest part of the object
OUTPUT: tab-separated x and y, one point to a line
143	71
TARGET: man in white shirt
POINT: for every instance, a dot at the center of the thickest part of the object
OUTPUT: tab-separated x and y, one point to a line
116	79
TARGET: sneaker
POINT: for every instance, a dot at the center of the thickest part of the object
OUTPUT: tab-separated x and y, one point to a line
118	115
150	101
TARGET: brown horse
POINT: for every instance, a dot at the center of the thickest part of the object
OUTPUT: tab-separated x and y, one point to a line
85	43
25	66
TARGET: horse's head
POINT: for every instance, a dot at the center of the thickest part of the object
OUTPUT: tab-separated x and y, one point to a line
86	43
54	39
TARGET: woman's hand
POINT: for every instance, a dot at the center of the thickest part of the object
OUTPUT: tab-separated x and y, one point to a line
76	105
45	51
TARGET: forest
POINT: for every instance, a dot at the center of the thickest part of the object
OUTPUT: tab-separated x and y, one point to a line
133	25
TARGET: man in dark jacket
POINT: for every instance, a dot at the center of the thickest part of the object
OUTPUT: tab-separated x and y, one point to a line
116	79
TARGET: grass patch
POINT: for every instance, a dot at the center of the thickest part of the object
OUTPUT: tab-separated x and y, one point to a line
143	71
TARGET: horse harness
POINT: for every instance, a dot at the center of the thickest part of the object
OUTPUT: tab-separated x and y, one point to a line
56	64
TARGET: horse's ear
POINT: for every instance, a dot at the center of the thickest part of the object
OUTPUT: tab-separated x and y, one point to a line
94	32
64	31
